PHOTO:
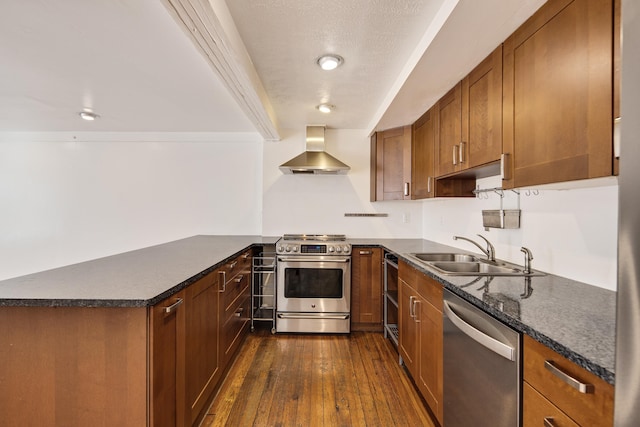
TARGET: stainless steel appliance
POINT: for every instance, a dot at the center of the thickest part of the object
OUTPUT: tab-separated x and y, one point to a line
627	393
481	367
313	284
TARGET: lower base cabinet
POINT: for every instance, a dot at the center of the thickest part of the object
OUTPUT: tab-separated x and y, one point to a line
558	392
123	366
420	328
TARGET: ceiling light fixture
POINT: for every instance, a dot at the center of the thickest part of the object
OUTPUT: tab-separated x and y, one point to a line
325	108
88	115
330	62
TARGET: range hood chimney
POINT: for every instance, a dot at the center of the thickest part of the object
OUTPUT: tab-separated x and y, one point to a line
315	160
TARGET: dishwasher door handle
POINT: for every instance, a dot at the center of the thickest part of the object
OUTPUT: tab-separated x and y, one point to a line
480	337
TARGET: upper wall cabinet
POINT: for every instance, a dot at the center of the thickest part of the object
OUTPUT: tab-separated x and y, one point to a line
469	119
558	94
423	157
391	164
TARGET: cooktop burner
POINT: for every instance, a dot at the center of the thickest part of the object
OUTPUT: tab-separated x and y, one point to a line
313	245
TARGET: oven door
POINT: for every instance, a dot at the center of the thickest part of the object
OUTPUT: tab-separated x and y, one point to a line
317	284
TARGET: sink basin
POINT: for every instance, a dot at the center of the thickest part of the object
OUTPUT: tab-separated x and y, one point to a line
437	257
457	264
475	268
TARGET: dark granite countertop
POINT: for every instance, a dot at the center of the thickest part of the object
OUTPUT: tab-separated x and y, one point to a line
137	278
574	319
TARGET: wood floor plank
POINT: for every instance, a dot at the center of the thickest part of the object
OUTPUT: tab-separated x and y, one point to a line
317	380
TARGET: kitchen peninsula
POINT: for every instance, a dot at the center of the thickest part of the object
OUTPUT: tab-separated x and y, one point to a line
76	341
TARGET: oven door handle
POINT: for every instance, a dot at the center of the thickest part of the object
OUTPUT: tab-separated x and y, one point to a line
343	260
311	316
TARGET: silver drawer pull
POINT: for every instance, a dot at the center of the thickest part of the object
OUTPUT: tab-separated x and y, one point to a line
366	252
567	379
245	256
224	281
455	155
548	422
239	278
238	313
173	307
233	265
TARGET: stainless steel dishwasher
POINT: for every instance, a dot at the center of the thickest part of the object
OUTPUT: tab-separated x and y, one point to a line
481	367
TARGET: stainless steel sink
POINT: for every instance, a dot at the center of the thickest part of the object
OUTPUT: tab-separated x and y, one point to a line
456	264
437	257
474	268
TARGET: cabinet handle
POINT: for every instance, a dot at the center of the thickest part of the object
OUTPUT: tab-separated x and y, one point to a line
504	170
429	185
548	422
415	314
366	252
173	307
616	137
411	307
238	312
406	188
233	265
224	282
461	151
239	278
455	154
245	256
568	379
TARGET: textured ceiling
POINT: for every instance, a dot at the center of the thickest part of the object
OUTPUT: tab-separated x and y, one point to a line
285	37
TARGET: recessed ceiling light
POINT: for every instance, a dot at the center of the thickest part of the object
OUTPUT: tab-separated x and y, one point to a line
88	115
330	62
325	108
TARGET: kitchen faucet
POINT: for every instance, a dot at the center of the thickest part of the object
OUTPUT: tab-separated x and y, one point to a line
528	256
490	252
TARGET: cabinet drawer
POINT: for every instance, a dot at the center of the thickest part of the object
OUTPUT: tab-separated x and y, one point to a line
537	410
235	322
593	408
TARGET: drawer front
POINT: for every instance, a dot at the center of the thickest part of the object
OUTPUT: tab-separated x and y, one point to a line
430	290
593	408
537	411
238	264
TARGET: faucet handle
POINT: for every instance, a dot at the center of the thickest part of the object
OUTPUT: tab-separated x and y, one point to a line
528	256
491	250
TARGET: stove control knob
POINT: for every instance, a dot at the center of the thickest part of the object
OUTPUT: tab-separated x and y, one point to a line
338	249
280	248
295	249
288	248
331	249
346	249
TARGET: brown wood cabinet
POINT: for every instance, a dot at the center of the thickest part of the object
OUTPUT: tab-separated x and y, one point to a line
558	94
448	127
391	164
423	145
548	395
137	366
421	333
235	305
366	289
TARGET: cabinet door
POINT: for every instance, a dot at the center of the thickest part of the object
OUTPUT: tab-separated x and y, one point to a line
448	131
558	97
430	356
538	411
202	370
482	113
366	289
167	362
423	157
408	328
392	164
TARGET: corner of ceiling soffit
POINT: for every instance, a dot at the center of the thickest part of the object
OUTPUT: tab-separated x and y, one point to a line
212	30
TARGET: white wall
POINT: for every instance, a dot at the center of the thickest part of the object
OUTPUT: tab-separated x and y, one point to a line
68	198
317	203
572	233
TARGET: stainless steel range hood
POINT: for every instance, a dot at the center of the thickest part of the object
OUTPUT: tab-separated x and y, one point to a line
315	160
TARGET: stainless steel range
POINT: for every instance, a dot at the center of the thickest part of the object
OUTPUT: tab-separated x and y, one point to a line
313	283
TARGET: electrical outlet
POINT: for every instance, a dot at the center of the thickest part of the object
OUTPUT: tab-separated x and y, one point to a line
406	217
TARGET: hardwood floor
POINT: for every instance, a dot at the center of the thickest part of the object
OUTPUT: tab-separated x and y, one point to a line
317	380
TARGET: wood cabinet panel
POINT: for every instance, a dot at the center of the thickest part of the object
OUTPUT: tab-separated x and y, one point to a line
592	409
448	126
71	366
408	328
430	377
423	147
203	371
392	150
482	112
366	289
536	409
558	94
235	297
